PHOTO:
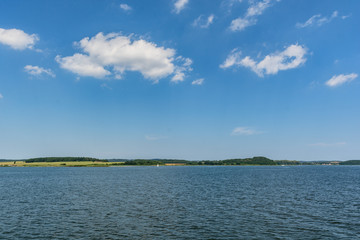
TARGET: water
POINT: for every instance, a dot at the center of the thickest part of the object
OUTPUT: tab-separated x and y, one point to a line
220	202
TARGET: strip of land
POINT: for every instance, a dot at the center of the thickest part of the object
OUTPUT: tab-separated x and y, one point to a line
94	162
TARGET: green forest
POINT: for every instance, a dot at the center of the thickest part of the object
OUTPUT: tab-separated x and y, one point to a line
254	161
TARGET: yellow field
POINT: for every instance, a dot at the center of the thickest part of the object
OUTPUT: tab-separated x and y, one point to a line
59	164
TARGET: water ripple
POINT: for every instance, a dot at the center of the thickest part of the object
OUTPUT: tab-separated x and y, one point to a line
307	202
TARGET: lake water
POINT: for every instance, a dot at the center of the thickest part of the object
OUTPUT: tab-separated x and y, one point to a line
192	202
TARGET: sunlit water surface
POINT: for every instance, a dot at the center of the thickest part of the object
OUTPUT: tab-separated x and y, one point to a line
222	202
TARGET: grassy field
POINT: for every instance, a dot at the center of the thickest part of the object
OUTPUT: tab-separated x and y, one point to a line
60	164
70	164
174	164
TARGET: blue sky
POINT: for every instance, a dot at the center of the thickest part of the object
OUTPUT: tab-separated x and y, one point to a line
180	79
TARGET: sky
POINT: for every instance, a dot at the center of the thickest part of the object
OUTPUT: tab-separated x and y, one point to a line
182	79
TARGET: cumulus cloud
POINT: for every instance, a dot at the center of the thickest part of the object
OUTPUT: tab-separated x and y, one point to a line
204	22
83	65
38	71
244	131
318	20
338	80
17	39
292	57
125	7
250	18
180	5
114	54
199	81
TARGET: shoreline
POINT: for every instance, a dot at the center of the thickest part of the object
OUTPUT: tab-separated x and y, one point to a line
122	164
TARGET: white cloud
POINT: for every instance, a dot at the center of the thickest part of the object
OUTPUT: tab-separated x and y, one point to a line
322	144
255	9
318	20
240	24
125	7
203	22
17	39
184	65
180	5
199	81
338	80
113	54
82	65
244	131
292	57
1	96
232	59
38	71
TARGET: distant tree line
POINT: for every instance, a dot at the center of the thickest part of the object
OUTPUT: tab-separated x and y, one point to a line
64	159
143	162
287	162
151	162
245	161
238	161
350	162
